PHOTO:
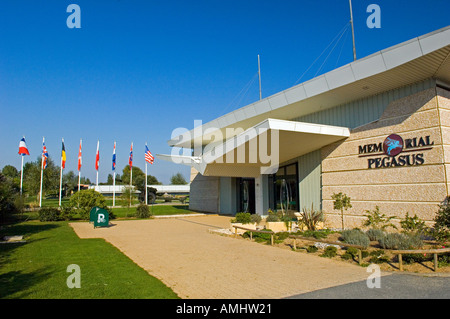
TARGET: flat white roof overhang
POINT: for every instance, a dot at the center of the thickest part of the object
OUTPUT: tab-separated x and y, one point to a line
261	148
404	64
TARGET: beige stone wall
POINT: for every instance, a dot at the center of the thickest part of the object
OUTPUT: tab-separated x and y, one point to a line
443	100
204	194
396	190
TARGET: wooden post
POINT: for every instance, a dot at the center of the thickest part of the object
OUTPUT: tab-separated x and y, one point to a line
235	232
400	263
271	239
435	262
295	244
359	257
251	236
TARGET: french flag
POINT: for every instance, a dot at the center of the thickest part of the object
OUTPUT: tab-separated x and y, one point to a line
23	150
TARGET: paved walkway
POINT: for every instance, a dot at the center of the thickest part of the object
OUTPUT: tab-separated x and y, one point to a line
197	264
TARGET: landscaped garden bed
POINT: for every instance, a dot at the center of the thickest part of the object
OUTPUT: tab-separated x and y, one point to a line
412	247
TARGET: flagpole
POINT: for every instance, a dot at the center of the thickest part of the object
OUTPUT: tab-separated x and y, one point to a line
21	176
79	166
98	142
114	178
42	171
146	195
131	175
60	177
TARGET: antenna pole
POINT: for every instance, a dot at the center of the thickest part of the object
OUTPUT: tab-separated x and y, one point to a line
353	30
259	75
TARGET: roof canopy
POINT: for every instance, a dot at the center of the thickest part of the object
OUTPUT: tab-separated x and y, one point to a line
261	148
404	64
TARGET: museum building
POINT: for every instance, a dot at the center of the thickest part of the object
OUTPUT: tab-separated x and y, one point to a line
377	130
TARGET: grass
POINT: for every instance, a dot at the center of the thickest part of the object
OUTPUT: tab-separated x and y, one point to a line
124	212
37	269
119	212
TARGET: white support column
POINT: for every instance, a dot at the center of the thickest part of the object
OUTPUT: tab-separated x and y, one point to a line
261	194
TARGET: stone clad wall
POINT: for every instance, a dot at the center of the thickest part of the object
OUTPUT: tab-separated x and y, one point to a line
204	193
417	189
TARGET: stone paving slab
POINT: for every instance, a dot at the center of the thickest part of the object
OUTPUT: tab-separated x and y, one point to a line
197	264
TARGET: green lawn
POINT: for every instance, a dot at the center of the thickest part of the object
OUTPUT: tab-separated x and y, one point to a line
38	268
123	212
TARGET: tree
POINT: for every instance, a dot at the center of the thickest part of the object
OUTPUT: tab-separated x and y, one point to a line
127	197
32	177
70	182
7	197
13	175
10	171
341	202
138	179
178	179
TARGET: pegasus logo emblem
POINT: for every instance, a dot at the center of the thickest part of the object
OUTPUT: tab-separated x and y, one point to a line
393	145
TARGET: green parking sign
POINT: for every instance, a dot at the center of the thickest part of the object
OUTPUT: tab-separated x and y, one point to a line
99	216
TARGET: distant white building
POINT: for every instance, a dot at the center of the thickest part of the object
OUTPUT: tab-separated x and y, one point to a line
172	189
108	190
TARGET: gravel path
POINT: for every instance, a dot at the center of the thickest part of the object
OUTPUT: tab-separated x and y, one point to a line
197	264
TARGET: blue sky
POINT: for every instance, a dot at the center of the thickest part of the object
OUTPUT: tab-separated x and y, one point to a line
137	70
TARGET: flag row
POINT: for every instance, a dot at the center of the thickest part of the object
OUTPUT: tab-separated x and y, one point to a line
23	150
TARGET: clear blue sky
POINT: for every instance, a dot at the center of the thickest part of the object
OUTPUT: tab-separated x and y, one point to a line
136	70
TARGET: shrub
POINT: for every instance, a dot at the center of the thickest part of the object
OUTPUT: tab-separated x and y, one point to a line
311	249
84	200
375	234
378	257
66	212
400	241
376	220
243	218
142	211
356	237
441	229
318	234
413	224
258	237
413	258
255	218
352	253
273	216
329	252
49	214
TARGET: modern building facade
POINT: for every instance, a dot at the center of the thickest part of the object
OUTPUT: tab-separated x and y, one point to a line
377	129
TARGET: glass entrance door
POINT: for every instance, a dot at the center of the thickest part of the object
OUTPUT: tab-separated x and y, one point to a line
246	200
284	195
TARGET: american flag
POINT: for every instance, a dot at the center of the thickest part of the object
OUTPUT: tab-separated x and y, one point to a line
148	155
44	156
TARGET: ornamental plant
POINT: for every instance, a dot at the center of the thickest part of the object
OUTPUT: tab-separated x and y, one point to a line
412	224
441	229
341	202
243	218
356	237
377	220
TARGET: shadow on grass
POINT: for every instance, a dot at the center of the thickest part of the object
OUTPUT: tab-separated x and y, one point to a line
14	282
26	229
